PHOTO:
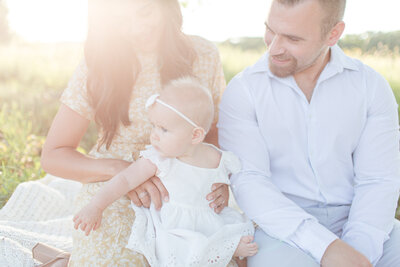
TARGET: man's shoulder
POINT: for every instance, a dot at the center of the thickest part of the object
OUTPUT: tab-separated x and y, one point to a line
370	79
358	68
361	78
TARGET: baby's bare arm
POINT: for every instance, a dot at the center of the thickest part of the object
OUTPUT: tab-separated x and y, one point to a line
90	216
138	172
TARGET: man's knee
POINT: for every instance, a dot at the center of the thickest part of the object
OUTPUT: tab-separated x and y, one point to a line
273	252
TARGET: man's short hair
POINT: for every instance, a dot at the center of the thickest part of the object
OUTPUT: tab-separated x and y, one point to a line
334	11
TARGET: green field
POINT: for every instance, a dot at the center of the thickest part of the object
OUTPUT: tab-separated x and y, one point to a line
33	76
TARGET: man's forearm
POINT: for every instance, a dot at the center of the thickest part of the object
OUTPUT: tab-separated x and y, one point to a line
371	217
279	216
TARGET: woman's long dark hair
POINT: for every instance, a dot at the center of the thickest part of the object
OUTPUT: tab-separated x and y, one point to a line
113	66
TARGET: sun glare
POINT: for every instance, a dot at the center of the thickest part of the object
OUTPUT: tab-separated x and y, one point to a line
216	20
49	20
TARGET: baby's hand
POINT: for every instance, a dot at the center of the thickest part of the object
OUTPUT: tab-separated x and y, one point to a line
89	218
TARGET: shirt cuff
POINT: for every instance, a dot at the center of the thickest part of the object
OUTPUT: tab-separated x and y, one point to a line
313	238
366	239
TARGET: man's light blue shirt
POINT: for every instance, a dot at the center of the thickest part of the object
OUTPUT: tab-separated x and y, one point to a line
341	148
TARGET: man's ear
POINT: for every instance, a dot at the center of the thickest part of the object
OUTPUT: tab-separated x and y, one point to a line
335	33
198	135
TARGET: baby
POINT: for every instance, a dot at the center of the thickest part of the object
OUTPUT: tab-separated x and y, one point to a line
185	231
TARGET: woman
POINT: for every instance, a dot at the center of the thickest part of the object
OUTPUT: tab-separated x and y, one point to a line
133	48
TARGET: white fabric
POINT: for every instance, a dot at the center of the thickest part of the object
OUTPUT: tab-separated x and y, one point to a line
38	211
342	148
186	231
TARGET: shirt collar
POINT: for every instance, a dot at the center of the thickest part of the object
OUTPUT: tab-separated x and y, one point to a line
338	60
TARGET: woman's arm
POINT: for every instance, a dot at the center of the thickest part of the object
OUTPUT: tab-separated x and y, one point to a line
60	157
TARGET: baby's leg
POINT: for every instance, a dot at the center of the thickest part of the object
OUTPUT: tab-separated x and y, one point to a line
246	247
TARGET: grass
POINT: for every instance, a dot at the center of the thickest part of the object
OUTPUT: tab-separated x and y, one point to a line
19	149
32	77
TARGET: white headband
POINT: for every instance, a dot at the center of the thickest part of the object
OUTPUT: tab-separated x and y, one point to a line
154	98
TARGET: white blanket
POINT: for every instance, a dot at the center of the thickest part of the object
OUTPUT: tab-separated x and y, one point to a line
38	211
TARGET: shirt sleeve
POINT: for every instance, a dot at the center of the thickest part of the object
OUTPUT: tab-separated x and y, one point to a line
376	167
75	95
255	193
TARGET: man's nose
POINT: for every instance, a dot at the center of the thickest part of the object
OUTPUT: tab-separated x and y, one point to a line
276	46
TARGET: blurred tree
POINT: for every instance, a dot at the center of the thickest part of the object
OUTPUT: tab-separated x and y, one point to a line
368	42
372	41
246	43
5	34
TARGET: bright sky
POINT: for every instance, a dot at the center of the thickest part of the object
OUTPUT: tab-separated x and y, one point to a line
217	20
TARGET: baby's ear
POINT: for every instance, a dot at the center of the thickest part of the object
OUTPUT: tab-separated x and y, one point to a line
198	135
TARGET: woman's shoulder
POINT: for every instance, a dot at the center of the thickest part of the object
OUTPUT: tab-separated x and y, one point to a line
203	46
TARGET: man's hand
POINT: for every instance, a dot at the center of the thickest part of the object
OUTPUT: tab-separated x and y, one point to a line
339	253
220	197
152	190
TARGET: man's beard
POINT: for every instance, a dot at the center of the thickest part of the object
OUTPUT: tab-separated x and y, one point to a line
283	71
292	66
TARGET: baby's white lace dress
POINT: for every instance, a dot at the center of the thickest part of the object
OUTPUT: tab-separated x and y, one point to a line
186	231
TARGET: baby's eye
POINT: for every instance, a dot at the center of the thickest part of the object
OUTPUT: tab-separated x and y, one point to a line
163	129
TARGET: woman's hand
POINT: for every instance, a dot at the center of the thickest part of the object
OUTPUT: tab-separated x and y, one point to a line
152	190
220	197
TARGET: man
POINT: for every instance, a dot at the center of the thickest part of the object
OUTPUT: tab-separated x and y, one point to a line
318	136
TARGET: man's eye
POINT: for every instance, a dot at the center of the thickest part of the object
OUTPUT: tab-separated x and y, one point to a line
293	39
268	29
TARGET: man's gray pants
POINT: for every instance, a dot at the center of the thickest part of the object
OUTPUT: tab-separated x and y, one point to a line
275	253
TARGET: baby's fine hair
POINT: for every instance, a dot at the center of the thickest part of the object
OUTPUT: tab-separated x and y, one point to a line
191	98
